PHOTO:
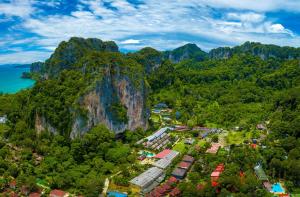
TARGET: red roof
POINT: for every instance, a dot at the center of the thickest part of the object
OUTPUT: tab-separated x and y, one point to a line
172	180
34	194
57	193
184	165
162	154
175	192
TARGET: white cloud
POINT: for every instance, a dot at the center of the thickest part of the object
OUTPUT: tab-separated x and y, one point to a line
23	57
159	24
277	28
21	8
254	5
246	17
130	41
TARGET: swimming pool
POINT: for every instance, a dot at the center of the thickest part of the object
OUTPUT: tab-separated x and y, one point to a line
147	154
116	194
277	188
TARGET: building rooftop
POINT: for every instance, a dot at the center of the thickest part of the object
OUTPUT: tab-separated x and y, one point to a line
147	177
57	193
166	160
214	148
179	172
157	133
188	158
185	165
215	174
163	153
35	194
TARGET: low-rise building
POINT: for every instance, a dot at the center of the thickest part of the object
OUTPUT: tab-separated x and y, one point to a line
179	173
58	193
188	158
148	180
166	159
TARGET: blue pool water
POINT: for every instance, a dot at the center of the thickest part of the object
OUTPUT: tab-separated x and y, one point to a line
116	194
10	79
277	188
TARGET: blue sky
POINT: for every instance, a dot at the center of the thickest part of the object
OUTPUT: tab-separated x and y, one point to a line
31	29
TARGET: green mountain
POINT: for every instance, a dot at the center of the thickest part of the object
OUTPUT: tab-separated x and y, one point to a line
89	82
263	51
188	51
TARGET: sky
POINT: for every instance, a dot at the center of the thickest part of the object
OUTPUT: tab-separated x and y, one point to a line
30	30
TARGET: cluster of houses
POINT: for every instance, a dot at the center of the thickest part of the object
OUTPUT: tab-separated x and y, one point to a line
204	132
167	189
13	190
158	140
183	167
151	178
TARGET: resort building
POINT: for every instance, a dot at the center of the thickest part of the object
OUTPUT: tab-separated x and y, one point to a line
158	140
166	157
164	189
179	173
148	180
58	193
188	158
214	148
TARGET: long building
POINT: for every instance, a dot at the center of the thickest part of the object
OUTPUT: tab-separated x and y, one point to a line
148	180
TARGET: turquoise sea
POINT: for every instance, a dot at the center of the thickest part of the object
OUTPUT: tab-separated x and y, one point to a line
10	78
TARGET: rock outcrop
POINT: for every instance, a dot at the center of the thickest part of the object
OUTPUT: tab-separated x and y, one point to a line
114	96
115	88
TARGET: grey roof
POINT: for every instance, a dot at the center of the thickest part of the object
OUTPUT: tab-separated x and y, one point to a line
188	158
157	133
179	172
148	177
167	160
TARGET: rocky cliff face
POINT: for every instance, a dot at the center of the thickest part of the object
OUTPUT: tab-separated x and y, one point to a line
114	93
113	89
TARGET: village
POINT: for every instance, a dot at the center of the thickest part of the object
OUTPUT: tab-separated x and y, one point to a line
168	156
170	151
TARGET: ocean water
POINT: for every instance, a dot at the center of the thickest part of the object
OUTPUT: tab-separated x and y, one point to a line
10	78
